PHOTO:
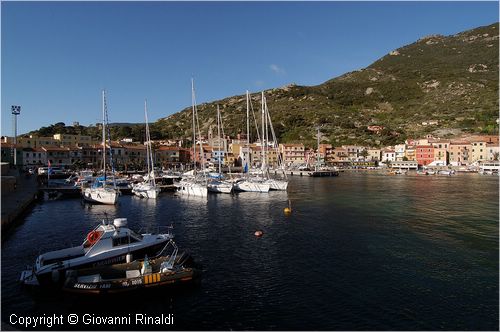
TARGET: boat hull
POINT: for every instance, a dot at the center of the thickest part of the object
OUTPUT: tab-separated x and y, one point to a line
250	186
277	184
100	196
146	191
126	285
57	277
224	188
192	189
323	173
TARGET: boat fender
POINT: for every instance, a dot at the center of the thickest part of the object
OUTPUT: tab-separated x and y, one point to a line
129	258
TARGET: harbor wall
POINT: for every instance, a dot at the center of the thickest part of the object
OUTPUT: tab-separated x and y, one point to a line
19	193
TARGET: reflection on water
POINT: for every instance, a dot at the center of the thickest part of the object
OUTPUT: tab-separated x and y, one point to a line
361	251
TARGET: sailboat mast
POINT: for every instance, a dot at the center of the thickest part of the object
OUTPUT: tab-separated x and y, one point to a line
267	131
103	134
194	127
218	135
247	159
263	153
317	154
148	148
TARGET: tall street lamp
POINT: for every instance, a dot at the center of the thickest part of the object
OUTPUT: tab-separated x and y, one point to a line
16	110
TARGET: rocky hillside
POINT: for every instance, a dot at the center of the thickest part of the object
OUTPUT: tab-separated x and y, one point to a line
445	85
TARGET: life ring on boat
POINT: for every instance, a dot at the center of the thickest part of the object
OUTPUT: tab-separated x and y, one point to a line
93	236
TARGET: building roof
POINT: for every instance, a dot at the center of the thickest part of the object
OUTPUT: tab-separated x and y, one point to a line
54	148
134	147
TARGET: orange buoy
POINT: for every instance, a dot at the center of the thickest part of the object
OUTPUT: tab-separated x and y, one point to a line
288	209
258	233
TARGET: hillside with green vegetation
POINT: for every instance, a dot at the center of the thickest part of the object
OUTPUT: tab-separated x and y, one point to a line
450	82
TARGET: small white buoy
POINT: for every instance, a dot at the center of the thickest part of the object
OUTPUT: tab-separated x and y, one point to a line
258	233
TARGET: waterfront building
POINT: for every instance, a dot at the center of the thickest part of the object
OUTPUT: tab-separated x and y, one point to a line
399	151
424	154
32	141
410	153
440	157
439	143
168	156
203	155
459	153
271	156
34	157
374	154
388	155
340	155
292	154
58	156
409	164
353	151
118	153
493	151
329	154
479	150
135	155
218	155
73	140
7	153
229	159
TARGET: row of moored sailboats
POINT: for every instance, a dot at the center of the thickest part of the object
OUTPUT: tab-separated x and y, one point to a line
200	183
195	182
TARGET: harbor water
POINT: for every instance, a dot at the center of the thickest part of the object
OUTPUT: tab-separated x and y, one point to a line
358	252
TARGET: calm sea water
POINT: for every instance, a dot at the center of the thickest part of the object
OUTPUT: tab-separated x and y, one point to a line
359	252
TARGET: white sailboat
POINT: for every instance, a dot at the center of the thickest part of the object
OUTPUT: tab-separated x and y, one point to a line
148	188
217	184
275	184
248	183
101	192
194	185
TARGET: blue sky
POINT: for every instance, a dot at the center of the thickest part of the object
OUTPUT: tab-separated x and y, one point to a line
58	56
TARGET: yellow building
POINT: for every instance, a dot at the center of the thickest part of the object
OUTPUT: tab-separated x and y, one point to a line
73	140
292	154
271	156
410	153
440	156
37	141
479	151
460	153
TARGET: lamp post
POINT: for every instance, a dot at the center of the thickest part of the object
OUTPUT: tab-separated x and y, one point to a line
16	110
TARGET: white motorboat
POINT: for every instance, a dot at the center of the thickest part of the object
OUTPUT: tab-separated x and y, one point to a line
108	243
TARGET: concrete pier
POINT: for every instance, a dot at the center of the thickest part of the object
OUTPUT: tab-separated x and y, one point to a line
18	195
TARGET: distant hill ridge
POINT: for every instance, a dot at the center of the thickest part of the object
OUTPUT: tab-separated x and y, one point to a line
445	85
